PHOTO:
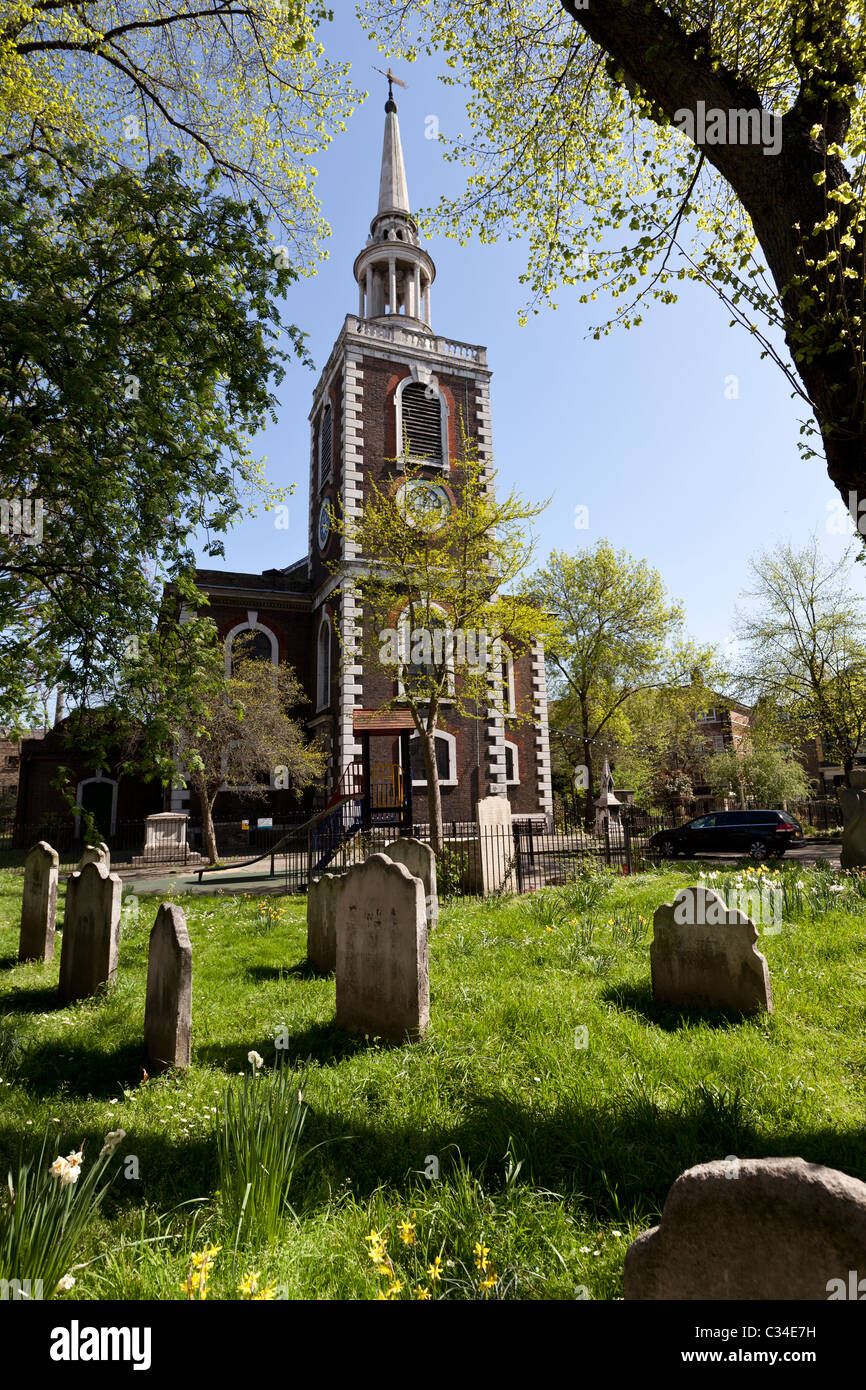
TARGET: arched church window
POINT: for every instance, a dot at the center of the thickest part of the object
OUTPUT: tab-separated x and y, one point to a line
251	646
326	443
421	421
324	666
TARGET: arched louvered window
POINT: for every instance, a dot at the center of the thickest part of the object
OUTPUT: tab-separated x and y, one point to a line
326	443
324	665
421	420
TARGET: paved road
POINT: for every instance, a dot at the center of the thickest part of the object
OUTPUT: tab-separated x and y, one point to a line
809	852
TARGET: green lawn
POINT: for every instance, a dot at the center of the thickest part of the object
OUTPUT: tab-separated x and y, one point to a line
551	1155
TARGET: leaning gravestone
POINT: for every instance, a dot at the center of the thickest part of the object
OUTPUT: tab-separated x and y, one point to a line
753	1228
420	860
853	805
96	854
168	1002
39	904
322	897
495	842
703	955
91	930
382	981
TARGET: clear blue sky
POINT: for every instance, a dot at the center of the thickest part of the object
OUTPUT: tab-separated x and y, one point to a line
636	426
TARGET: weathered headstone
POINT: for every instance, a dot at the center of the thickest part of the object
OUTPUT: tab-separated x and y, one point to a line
853	805
703	955
91	930
96	854
168	1002
322	897
420	860
753	1228
39	904
382	982
496	842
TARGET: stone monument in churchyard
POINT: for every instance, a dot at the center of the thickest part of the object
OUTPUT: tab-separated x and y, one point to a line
39	903
322	898
495	843
168	1003
608	808
754	1228
91	932
165	840
420	860
703	955
382	980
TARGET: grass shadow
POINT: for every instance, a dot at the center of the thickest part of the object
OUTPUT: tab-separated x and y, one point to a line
42	1001
638	999
82	1071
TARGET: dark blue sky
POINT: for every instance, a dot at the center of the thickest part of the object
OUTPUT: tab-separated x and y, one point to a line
636	427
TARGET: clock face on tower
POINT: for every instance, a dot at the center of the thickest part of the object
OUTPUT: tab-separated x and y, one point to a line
324	528
426	505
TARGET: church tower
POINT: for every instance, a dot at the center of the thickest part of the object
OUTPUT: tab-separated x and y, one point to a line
392	392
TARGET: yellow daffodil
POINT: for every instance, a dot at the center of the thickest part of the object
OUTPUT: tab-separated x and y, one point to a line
407	1232
480	1252
433	1271
421	1293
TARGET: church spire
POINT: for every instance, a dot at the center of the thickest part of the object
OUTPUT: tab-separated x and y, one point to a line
393	193
394	272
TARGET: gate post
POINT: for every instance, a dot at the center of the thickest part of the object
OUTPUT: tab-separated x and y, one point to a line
607	858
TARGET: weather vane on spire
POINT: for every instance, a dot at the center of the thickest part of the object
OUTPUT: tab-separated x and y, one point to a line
391	80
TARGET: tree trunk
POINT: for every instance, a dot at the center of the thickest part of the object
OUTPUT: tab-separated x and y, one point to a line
588	808
434	795
206	804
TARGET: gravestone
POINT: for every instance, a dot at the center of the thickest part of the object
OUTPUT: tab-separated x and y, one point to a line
853	805
753	1228
39	904
91	930
420	860
96	854
495	842
322	896
703	955
168	1002
382	982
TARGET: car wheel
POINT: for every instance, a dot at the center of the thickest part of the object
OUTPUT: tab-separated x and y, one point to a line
669	849
758	849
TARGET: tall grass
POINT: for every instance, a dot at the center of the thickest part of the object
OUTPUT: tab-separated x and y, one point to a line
257	1148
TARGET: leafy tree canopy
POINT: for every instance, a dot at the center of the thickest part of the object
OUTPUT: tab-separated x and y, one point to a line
587	121
139	350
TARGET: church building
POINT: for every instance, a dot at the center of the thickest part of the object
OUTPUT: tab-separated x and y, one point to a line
390	378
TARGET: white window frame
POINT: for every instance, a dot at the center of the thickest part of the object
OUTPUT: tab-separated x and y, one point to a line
323	687
404	643
233	787
252	624
419	377
86	781
451	779
515	780
708	716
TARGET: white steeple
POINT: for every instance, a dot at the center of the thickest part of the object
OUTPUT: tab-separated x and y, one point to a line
393	193
394	272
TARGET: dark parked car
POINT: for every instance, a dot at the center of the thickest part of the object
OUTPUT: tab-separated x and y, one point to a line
758	833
